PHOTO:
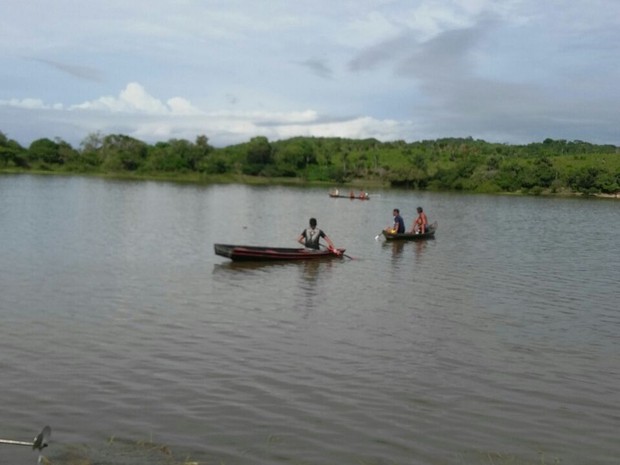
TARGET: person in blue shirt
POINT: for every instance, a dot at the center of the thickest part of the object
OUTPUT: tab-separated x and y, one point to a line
399	224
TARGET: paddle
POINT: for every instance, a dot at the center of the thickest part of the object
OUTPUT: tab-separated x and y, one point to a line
345	255
348	256
380	234
42	438
39	442
336	252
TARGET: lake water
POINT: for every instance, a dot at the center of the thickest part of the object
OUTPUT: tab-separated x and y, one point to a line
496	343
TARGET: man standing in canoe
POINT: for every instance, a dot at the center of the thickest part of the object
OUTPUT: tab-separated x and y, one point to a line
310	237
399	224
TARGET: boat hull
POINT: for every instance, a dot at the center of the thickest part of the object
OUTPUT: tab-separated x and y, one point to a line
430	234
357	197
249	253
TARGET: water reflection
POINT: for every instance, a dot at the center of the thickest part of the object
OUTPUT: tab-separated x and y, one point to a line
312	275
419	249
238	267
310	268
401	251
310	271
304	279
397	250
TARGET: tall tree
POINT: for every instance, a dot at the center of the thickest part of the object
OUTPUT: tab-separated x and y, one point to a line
259	151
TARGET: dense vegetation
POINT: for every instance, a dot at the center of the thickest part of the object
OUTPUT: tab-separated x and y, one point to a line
552	166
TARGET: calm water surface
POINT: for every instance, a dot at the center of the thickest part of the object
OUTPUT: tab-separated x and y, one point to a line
497	342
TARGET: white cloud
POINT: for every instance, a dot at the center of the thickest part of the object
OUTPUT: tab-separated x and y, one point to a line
135	99
355	128
139	114
30	104
181	106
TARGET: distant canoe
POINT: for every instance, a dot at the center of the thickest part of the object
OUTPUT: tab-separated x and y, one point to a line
430	234
354	197
260	253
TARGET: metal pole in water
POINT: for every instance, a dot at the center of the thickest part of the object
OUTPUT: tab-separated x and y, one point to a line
39	442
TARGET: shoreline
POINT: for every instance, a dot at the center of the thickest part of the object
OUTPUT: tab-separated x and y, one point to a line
197	178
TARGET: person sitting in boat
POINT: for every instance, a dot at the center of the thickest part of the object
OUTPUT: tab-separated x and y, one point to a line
311	236
420	224
399	224
363	195
351	194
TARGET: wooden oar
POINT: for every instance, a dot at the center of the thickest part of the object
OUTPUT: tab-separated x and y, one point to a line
337	254
378	236
348	256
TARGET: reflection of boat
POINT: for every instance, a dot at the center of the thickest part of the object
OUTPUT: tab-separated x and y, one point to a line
397	247
260	253
430	234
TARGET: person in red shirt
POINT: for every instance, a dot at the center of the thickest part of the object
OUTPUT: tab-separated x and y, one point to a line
420	224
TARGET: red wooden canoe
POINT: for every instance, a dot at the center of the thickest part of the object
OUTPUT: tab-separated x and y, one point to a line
260	253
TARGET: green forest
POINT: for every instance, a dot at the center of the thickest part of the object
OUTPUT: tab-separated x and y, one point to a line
449	164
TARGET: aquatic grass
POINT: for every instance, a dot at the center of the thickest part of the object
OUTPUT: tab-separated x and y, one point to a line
497	458
138	452
118	451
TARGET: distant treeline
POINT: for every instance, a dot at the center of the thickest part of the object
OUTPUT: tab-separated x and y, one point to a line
552	166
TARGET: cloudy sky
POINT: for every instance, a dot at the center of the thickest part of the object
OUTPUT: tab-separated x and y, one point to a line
510	71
